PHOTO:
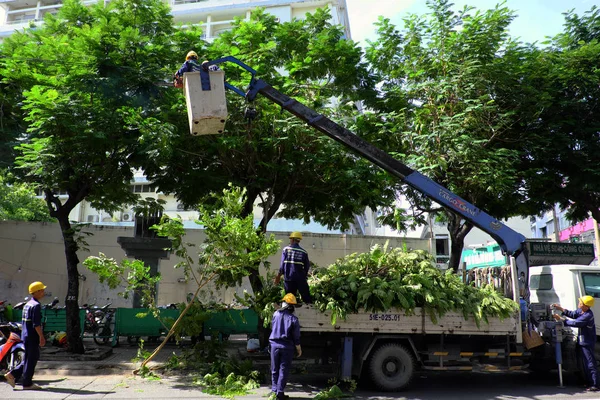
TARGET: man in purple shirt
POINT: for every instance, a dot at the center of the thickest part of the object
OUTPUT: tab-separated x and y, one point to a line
294	269
285	337
191	64
33	338
583	318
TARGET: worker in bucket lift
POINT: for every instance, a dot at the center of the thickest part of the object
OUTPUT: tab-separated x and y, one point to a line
583	318
284	338
191	64
294	269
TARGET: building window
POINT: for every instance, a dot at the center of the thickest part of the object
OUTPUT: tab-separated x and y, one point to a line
143	189
441	247
544	232
541	282
40	192
591	284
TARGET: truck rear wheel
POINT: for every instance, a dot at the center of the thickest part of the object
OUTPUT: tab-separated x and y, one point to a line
391	367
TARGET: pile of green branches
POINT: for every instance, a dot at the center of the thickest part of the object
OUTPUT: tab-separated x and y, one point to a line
386	279
216	371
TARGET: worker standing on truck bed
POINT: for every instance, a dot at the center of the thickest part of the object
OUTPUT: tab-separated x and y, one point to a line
294	269
191	64
285	336
583	318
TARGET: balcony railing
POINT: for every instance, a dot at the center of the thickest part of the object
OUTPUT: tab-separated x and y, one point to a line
179	2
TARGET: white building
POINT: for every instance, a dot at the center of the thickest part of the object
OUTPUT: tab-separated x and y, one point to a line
215	16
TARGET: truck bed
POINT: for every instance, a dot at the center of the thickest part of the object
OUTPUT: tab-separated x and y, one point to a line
397	322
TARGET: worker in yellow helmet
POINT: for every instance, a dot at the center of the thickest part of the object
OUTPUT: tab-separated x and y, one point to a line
32	337
191	64
285	336
583	318
294	268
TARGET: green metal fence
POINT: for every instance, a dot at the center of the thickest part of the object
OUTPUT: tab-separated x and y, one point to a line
139	322
53	320
232	322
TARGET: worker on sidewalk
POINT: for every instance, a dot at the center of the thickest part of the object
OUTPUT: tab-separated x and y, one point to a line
583	318
191	64
294	269
285	337
33	338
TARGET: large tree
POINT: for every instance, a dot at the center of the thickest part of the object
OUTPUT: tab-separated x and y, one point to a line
88	79
283	164
445	80
563	137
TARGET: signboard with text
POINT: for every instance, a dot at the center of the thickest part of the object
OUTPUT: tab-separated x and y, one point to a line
483	257
546	253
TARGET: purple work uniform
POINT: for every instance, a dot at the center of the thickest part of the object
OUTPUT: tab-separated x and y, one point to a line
285	336
32	317
193	66
587	340
294	268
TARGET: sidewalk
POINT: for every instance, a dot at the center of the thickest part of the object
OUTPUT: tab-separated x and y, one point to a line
112	378
101	360
107	373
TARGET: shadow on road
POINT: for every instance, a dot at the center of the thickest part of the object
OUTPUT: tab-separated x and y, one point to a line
480	386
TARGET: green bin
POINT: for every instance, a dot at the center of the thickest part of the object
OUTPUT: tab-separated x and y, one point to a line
244	321
128	324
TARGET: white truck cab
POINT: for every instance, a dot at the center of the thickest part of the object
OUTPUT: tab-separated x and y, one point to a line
565	284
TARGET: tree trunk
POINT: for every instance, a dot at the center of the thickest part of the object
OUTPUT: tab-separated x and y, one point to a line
74	340
458	229
254	277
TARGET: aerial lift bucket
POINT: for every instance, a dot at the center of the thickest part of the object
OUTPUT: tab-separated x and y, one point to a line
207	109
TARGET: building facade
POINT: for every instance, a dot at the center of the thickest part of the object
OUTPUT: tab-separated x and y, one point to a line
555	226
215	16
34	251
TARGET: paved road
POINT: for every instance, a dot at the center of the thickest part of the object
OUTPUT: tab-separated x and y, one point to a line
432	387
111	378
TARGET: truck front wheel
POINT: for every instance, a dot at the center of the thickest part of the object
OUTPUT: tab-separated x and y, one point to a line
391	367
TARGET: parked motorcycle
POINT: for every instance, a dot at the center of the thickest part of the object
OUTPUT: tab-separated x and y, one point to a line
104	317
52	305
12	349
90	324
98	322
2	311
20	305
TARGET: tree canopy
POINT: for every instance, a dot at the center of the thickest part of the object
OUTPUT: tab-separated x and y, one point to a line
562	140
18	202
447	78
280	161
89	97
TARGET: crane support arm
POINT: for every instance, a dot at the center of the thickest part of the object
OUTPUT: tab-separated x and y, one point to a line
511	242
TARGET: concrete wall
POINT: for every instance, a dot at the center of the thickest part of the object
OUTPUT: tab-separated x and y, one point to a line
34	251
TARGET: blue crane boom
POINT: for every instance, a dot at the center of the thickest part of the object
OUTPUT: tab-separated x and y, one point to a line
511	242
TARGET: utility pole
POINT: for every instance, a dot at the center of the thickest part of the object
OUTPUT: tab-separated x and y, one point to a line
596	239
556	227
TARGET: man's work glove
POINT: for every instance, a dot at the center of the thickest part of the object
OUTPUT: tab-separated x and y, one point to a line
177	82
299	350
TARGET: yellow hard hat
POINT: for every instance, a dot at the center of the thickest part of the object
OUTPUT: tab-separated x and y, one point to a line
587	300
35	286
296	235
289	298
191	54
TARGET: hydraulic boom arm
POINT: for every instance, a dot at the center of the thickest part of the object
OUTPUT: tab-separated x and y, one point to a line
511	242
